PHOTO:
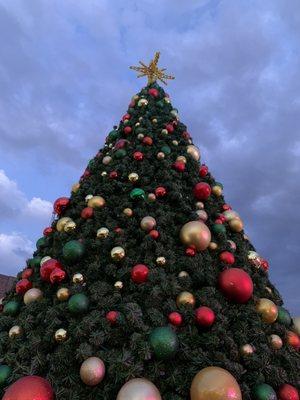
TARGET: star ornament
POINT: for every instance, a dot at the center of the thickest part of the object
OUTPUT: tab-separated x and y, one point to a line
152	71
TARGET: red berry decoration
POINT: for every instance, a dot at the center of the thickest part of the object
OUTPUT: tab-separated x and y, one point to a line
127	130
27	273
202	191
139	273
57	275
138	155
87	212
48	267
288	392
204	316
113	175
175	318
154	234
236	285
153	92
60	204
47	231
227	257
293	340
170	128
203	170
112	317
148	141
179	166
22	286
160	191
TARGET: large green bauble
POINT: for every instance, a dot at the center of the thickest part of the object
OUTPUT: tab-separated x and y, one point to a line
284	317
73	250
34	262
5	372
78	303
113	135
11	308
166	149
264	392
120	153
137	193
42	242
219	228
164	342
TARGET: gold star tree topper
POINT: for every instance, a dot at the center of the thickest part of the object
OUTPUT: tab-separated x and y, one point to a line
152	71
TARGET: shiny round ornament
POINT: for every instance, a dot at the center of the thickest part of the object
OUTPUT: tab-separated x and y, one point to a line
60	224
160	155
254	258
236	285
267	310
181	159
284	317
183	274
102	233
73	251
78	303
117	253
202	191
70	226
142	103
60	205
57	275
215	383
230	214
11	308
163	342
30	387
78	278
217	190
151	197
87	213
5	373
48	267
96	202
22	286
63	294
137	194
193	151
106	160
88	197
213	246
128	212
148	223
246	350
264	392
202	214
44	259
236	225
139	389
119	285
15	332
139	273
204	317
33	295
61	335
92	371
161	261
288	392
175	318
133	177
275	342
293	340
185	299
197	234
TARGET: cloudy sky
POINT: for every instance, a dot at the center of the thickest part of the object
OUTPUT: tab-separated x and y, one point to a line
64	82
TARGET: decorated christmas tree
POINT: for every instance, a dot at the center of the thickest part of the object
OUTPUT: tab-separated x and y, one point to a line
145	286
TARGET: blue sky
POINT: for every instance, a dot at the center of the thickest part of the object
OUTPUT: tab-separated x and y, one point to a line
64	82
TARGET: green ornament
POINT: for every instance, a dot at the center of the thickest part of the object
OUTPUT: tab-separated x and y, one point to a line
137	193
264	392
78	303
284	317
160	104
34	262
42	242
91	163
11	308
121	153
113	135
219	228
166	150
73	250
164	342
5	372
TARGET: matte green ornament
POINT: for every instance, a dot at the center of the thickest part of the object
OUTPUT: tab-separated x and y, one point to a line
78	303
42	242
73	250
5	372
166	150
113	135
219	228
120	153
264	392
164	342
91	163
34	262
11	308
284	317
137	193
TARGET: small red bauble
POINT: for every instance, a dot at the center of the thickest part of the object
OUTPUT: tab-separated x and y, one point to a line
86	173
293	340
47	268
288	392
138	155
57	275
175	318
47	231
118	230
190	251
87	212
222	218
179	166
120	144
170	128
203	170
148	141
139	273
27	273
113	175
154	234
186	135
204	316
112	317
202	191
30	387
153	92
126	116
218	221
160	191
227	257
226	207
127	130
264	265
60	204
22	286
236	285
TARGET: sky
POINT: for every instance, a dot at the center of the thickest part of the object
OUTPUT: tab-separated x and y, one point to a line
65	81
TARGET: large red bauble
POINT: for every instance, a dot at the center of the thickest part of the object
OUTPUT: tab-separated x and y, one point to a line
175	318
87	212
48	267
139	273
57	275
227	257
202	191
179	166
29	388
153	92
22	286
205	316
288	392
60	204
236	285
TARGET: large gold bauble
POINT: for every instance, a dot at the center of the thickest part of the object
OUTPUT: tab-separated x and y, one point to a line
185	299
96	202
267	310
32	295
275	342
236	224
61	335
128	212
78	278
214	383
75	187
60	224
92	371
195	233
296	325
148	223
193	151
102	233
70	226
44	259
63	294
133	177
117	253
15	332
139	389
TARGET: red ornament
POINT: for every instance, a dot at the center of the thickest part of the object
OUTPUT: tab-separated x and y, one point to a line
236	285
160	191
138	155
118	230
179	166
127	130
264	265
22	286
293	340
139	273
227	257
47	231
226	207
175	318
60	204
190	251
57	275
86	173
186	135
148	141
170	128
203	170
126	116
120	144
27	273
112	317
288	392
113	175
204	316
218	221
154	234
48	267
202	191
222	218
29	388
153	92
87	212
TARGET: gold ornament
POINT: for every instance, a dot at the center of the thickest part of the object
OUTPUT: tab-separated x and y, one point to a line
96	202
140	136
183	274
181	159
142	103
214	383
154	121
247	350
254	258
193	151
164	132
296	325
60	224
195	233
44	259
103	173
118	285
200	205
128	212
106	160
15	332
275	342
137	124
161	261
88	197
151	197
230	214
32	295
185	299
133	177
117	253
236	224
139	389
102	233
75	187
212	246
152	71
61	335
92	371
70	226
78	278
267	310
148	223
63	294
160	155
217	190
175	142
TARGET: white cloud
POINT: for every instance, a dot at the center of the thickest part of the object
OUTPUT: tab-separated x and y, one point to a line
14	250
37	207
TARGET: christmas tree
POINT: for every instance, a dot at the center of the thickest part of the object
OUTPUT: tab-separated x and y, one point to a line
145	286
